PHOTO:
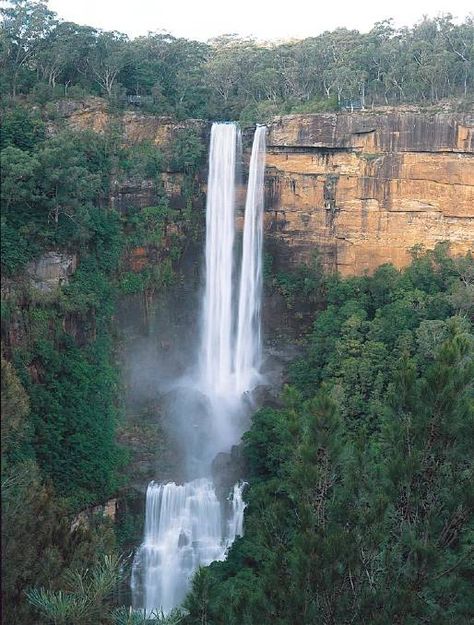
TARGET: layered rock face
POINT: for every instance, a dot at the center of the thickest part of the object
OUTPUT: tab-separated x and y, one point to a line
133	127
363	188
360	189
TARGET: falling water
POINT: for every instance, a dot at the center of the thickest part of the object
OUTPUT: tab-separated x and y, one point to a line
189	534
186	525
216	348
248	344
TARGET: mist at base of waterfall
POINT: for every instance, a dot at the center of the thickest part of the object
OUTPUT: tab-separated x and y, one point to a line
199	425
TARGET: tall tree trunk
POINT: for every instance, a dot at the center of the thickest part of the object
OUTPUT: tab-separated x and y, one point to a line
362	96
14	81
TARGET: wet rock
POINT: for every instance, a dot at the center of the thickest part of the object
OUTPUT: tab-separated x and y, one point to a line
227	469
51	270
265	395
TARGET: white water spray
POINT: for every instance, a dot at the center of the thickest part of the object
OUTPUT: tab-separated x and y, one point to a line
248	344
216	347
186	526
183	530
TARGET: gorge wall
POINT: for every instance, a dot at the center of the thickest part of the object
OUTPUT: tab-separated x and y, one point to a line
361	188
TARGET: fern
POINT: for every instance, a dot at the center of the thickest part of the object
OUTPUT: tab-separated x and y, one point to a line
58	606
128	616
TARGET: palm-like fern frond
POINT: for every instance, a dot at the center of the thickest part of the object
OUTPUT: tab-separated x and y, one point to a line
128	616
59	607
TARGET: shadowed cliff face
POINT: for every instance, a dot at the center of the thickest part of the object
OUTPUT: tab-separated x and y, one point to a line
360	188
363	188
387	131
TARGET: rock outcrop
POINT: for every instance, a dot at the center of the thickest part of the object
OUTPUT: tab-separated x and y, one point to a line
363	188
51	270
94	114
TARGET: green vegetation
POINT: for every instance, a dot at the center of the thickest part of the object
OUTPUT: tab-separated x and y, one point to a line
229	78
89	598
359	504
360	498
302	285
50	195
61	402
40	545
87	593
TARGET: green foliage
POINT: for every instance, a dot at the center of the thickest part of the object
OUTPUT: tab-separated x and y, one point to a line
142	160
326	105
85	599
51	195
39	543
16	249
21	128
74	445
153	279
263	112
359	507
149	280
187	151
15	408
301	284
149	225
48	195
371	323
127	616
231	77
67	368
58	607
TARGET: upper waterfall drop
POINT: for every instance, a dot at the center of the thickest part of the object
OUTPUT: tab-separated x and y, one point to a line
231	336
217	325
248	341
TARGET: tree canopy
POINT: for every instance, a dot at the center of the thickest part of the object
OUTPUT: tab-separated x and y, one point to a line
359	499
231	77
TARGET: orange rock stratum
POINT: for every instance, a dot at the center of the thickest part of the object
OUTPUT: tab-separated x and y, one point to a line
363	188
360	188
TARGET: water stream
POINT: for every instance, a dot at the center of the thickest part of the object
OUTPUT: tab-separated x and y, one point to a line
248	345
186	525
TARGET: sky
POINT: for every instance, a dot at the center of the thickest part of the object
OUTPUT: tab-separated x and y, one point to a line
262	19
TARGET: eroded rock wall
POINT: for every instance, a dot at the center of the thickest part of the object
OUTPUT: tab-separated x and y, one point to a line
363	188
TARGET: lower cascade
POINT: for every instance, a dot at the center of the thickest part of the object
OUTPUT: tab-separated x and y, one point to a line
184	529
188	525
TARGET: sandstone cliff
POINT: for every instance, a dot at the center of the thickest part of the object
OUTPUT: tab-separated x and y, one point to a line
359	188
133	127
363	188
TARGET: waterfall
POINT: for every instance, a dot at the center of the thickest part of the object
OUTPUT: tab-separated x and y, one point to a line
189	534
216	347
186	525
248	343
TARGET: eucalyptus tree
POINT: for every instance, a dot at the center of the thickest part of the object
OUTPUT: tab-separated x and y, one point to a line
108	58
64	55
224	68
26	23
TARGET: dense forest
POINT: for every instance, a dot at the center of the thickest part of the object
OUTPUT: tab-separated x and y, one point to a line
43	57
61	406
360	500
